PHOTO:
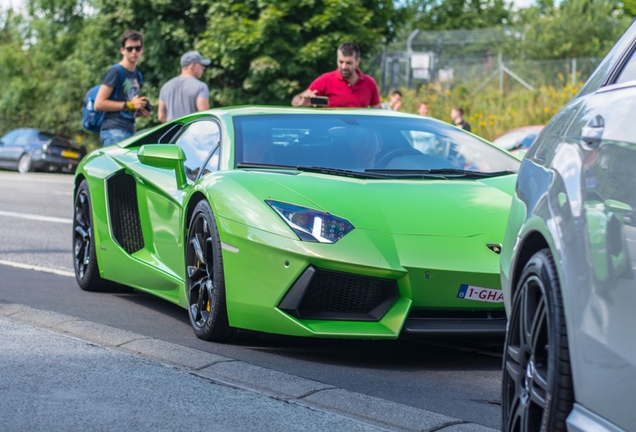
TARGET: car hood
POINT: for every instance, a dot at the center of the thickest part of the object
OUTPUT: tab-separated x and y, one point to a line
457	208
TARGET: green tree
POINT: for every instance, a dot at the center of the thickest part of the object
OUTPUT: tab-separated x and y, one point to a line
571	28
32	52
264	51
456	14
170	28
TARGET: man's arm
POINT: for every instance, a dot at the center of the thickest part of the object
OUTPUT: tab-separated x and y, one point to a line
303	99
162	112
202	104
102	103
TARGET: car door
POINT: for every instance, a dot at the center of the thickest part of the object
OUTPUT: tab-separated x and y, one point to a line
6	146
603	136
161	201
19	146
13	145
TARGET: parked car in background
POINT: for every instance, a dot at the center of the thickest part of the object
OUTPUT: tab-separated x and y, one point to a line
519	139
28	149
568	260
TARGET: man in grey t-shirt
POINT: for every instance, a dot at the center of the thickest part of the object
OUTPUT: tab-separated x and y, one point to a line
185	94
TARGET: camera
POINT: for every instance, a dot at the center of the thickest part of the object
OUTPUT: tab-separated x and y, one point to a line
148	107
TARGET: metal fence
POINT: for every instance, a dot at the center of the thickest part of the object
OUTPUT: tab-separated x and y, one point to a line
473	59
396	71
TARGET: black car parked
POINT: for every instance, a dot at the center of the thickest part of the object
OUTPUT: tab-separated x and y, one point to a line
27	150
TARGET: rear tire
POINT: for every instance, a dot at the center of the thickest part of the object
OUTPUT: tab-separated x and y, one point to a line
25	164
205	281
84	259
537	378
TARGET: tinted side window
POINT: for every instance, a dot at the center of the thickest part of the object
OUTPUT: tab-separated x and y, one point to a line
11	136
24	137
163	135
606	66
197	141
629	70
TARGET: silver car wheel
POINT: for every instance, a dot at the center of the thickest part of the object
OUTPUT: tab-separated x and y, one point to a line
24	164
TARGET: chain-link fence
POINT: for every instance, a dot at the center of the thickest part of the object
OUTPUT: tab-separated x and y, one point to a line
472	59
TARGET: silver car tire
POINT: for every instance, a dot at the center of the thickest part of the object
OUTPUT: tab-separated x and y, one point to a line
25	164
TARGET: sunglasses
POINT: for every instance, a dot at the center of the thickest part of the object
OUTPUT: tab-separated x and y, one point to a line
136	48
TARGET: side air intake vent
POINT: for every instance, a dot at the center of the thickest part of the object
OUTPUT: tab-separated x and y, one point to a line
124	212
325	294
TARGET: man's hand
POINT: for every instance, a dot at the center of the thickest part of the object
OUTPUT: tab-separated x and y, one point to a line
303	99
143	113
140	102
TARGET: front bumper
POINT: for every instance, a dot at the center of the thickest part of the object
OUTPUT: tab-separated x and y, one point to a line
262	269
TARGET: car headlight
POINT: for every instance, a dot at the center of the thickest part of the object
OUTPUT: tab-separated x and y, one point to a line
312	225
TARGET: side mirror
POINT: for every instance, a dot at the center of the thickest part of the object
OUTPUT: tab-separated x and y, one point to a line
166	156
618	207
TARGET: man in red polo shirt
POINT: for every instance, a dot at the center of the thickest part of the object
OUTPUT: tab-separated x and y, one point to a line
346	87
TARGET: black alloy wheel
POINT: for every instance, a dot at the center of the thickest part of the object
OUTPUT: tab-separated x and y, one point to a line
205	283
537	378
84	260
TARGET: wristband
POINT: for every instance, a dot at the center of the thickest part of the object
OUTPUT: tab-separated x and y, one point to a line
129	106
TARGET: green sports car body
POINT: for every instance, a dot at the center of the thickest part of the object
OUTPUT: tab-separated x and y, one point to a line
304	222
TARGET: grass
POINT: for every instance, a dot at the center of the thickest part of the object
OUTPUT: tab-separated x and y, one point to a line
491	112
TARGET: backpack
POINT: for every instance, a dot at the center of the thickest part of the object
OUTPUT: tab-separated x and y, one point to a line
92	119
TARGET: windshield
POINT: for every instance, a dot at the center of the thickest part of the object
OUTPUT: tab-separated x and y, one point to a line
363	142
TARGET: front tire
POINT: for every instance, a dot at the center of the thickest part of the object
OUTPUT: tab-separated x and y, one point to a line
205	281
25	164
537	378
84	259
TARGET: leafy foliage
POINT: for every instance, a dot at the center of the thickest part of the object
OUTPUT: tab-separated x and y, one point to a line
265	51
571	28
457	14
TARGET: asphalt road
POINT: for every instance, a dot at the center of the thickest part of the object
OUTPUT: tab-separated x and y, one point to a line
458	378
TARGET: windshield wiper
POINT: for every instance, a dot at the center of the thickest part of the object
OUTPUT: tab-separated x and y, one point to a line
444	173
341	172
469	173
259	165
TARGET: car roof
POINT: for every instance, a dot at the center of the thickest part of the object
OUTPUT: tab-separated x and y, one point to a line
260	110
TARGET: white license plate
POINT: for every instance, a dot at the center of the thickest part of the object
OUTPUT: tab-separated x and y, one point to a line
476	293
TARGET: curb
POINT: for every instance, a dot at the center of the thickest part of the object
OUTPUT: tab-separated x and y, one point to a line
245	376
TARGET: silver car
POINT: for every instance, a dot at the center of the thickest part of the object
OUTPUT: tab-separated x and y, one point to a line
568	263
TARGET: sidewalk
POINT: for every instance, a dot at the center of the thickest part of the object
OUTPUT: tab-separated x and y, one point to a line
61	373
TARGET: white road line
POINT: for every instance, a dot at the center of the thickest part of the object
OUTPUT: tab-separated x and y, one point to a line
36	268
36	217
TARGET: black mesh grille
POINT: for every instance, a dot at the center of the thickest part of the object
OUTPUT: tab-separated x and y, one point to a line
124	212
336	295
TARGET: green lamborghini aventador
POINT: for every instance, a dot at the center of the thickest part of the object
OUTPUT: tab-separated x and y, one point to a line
306	222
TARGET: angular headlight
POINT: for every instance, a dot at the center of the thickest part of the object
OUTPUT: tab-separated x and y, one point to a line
312	225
